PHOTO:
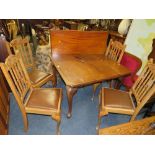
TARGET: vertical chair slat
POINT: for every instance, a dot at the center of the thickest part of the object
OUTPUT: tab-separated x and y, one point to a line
144	83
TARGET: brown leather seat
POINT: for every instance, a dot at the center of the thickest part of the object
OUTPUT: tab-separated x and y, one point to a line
41	98
37	76
117	99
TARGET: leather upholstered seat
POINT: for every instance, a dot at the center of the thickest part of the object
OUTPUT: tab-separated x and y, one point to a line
115	100
41	98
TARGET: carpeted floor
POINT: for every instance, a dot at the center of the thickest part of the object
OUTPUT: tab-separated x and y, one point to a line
82	122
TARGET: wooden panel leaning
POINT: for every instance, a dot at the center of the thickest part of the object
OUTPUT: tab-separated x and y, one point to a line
22	49
78	42
115	51
4	106
122	102
139	127
45	101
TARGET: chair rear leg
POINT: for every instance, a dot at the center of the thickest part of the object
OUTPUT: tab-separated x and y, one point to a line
94	89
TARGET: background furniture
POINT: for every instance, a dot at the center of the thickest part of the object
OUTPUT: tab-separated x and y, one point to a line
45	101
140	127
37	77
152	54
4	52
115	36
4	106
71	25
44	59
122	102
133	63
79	58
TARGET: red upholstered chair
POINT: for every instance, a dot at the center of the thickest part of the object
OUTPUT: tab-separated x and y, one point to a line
133	63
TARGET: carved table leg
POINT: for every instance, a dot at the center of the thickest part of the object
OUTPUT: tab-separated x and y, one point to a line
70	93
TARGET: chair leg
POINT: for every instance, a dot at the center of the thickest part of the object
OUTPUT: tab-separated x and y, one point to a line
94	89
57	118
58	128
110	83
54	81
133	117
98	124
54	76
25	122
117	84
24	116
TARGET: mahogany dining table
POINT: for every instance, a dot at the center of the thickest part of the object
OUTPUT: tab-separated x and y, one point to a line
79	59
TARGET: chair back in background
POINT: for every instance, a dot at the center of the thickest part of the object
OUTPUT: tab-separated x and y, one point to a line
22	47
115	51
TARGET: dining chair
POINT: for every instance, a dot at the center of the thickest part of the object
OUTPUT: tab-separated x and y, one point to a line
133	63
43	101
114	52
129	103
22	49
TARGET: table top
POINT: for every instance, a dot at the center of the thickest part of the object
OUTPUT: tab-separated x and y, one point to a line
79	70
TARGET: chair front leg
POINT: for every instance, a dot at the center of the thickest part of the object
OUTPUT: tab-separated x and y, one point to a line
98	124
94	89
57	118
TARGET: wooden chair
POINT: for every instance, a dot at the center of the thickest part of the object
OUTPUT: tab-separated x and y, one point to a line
122	102
38	78
44	101
115	51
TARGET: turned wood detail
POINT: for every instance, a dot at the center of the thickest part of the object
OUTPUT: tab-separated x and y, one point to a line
132	128
70	93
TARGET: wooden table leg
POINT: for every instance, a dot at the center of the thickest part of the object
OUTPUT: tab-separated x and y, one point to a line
70	93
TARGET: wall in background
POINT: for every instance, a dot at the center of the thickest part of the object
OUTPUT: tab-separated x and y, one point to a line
139	38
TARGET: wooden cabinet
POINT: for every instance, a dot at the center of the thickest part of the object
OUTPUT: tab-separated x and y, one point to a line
4	106
116	36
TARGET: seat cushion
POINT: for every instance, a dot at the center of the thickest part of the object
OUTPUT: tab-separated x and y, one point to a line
45	98
36	76
113	98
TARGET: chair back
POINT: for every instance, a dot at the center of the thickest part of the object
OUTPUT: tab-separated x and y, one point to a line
133	63
115	51
17	77
144	87
22	47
